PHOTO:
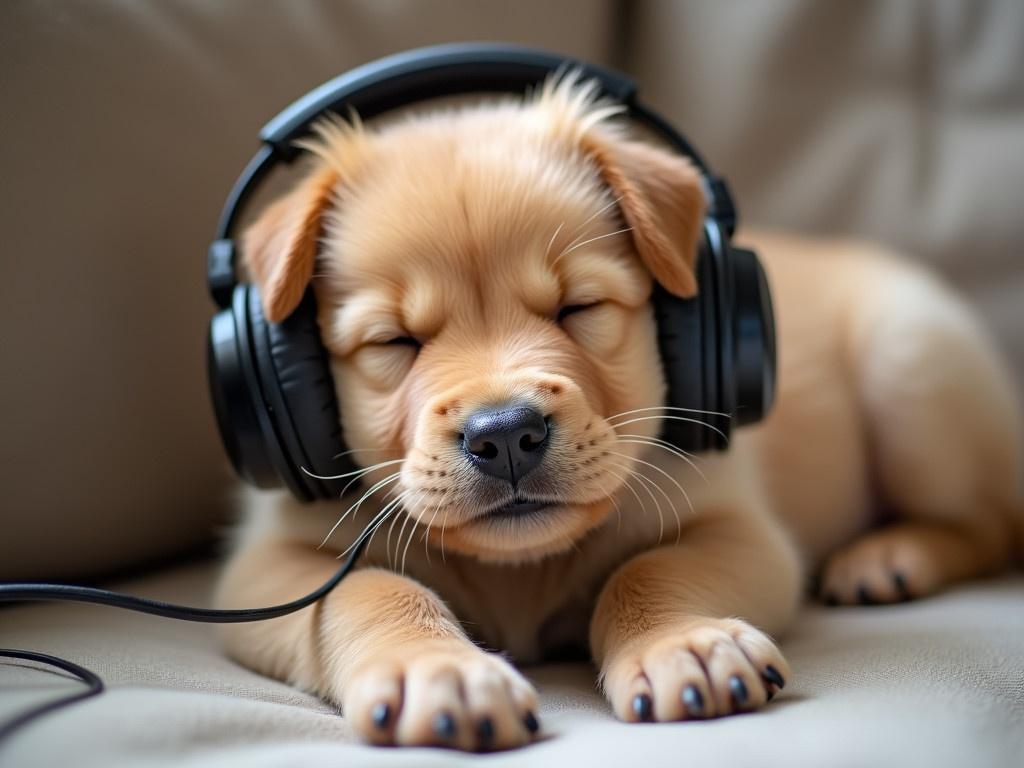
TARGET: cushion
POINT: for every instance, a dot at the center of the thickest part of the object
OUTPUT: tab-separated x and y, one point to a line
933	683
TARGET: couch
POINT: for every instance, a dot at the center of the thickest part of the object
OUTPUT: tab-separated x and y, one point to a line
124	125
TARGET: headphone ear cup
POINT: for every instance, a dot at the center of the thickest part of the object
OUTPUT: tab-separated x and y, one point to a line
298	388
245	426
688	340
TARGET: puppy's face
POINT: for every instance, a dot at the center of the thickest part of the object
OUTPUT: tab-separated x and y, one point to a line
483	280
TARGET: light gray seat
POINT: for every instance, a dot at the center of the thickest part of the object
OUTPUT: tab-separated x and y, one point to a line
935	683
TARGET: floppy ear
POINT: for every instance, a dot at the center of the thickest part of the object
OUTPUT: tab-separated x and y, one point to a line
661	198
280	247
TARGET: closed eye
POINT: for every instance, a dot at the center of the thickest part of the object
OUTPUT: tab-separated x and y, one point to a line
572	309
403	341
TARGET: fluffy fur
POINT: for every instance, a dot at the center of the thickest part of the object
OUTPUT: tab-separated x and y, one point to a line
442	249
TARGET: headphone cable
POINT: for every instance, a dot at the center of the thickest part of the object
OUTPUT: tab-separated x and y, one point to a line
41	591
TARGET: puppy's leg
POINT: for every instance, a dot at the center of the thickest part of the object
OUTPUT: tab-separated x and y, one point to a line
679	631
382	646
946	445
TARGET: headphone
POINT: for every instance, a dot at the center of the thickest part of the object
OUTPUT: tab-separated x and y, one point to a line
271	384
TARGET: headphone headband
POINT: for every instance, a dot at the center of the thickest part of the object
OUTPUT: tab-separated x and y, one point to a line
419	75
429	73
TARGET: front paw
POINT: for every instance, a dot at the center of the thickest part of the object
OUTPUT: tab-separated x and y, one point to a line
696	669
442	693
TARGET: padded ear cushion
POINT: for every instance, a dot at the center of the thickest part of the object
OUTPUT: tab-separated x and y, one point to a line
688	339
298	388
244	425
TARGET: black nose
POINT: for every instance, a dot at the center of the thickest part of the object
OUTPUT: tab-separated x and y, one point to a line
505	442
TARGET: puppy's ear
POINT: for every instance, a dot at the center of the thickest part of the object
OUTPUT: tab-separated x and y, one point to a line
280	247
661	198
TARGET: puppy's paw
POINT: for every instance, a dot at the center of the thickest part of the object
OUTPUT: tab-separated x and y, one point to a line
442	693
702	668
888	566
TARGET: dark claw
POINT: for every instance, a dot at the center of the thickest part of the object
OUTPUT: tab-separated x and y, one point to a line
485	732
770	695
901	585
738	689
444	726
381	715
863	596
771	674
643	707
530	721
693	699
831	599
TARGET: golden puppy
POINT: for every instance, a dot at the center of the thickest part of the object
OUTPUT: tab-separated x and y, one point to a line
483	277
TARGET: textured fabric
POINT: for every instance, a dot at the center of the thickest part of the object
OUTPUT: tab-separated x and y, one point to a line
934	683
124	125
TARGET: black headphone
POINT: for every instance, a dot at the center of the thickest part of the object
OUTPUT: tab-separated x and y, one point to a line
271	384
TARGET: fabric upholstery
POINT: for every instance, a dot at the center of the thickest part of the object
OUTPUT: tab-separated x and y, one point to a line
934	683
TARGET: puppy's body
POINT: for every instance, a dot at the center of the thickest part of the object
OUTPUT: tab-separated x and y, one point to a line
454	243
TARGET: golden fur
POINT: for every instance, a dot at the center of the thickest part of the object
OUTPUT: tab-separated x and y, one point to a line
467	231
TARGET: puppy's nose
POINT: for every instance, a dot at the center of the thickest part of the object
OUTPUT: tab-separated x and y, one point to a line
505	442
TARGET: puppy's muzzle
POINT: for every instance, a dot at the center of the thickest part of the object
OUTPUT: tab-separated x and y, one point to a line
506	442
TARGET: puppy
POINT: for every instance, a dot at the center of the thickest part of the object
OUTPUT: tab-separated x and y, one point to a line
482	277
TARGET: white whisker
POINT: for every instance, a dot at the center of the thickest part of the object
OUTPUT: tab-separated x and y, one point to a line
626	484
668	408
657	505
401	532
390	509
570	249
426	545
359	477
581	229
358	450
356	472
672	505
665	446
379	520
374	522
618	512
665	443
444	524
355	506
387	542
656	468
547	251
673	418
412	533
645	483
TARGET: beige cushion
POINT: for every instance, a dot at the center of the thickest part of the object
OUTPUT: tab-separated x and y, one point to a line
123	127
932	684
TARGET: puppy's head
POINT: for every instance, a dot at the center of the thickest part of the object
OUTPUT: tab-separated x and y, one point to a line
483	278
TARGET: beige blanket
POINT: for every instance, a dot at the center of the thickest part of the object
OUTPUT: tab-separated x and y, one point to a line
932	684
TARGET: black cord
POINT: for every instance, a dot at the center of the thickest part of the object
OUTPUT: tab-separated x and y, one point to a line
13	592
91	679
